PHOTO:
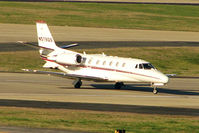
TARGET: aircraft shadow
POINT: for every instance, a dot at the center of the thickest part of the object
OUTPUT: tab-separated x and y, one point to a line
141	88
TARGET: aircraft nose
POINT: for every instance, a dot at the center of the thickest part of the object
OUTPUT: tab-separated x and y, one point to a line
164	79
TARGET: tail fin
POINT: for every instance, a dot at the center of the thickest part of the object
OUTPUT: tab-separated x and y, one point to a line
45	39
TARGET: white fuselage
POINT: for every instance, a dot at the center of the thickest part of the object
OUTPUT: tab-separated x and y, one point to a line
109	68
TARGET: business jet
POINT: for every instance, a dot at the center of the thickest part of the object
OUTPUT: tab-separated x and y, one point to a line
96	67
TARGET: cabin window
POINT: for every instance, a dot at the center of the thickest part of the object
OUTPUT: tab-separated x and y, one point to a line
110	63
136	66
117	64
104	63
84	60
123	65
89	62
97	62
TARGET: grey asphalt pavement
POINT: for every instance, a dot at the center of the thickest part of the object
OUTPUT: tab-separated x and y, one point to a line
24	87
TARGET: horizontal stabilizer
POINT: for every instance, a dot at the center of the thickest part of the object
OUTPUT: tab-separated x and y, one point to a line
69	46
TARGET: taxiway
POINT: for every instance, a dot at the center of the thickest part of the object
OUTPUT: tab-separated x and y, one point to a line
27	33
37	90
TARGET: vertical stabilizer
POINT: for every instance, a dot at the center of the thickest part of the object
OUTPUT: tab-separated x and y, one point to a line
45	39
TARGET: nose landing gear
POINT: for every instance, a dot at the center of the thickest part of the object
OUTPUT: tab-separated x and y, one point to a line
155	91
154	85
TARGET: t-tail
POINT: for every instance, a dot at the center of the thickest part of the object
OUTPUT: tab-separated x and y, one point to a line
45	39
49	51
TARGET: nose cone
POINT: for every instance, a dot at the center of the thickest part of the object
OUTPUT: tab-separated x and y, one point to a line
164	79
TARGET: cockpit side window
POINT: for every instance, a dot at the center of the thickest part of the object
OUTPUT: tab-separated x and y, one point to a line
140	66
136	66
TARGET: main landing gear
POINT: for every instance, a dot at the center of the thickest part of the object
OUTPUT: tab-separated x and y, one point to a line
118	85
77	83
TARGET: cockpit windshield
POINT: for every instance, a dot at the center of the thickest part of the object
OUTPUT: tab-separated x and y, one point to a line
148	66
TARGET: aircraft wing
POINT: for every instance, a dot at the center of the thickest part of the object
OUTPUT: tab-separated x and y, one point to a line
171	75
65	75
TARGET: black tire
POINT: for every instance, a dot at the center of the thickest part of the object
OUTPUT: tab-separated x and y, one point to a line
155	91
118	85
78	84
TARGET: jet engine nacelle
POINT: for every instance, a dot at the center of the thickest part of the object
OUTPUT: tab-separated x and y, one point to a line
71	59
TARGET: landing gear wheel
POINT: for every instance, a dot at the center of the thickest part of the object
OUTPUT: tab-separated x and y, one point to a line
155	91
118	85
77	83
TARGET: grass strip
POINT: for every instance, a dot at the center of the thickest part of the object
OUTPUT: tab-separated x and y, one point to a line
96	121
183	61
132	16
